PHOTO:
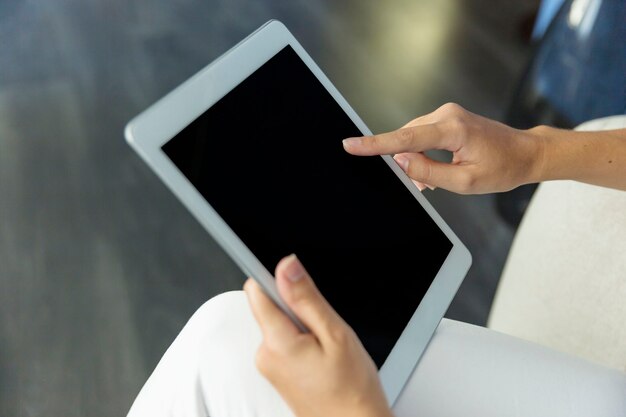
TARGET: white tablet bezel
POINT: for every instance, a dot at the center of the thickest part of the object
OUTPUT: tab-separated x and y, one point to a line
158	124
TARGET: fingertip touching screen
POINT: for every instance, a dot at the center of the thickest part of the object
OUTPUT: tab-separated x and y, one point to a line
268	158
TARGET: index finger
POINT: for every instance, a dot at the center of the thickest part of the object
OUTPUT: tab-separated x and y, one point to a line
274	324
409	139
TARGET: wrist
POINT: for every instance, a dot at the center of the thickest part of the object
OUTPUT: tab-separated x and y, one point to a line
541	140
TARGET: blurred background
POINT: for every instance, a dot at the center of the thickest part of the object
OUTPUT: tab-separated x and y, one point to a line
100	266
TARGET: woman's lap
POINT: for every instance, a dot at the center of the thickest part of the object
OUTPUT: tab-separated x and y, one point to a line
209	370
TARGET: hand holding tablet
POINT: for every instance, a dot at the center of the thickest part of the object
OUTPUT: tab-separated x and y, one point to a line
224	143
326	372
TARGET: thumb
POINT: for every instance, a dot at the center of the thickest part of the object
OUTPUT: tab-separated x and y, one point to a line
298	290
431	173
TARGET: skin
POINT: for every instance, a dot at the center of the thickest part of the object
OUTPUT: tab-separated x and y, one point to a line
488	156
327	372
323	373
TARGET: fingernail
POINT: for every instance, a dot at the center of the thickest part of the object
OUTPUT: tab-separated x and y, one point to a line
294	269
351	142
402	161
420	186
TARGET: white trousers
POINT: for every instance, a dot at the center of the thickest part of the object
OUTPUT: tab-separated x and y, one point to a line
466	371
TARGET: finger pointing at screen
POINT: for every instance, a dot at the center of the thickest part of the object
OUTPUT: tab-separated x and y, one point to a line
487	156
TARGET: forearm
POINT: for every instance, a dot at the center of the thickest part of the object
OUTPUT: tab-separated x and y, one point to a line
592	157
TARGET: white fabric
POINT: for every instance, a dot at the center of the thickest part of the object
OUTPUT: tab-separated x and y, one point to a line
466	371
209	368
564	283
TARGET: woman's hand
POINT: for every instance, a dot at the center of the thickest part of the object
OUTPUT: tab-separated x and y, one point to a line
324	373
487	156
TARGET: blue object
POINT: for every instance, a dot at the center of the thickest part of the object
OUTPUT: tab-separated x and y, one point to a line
547	11
578	71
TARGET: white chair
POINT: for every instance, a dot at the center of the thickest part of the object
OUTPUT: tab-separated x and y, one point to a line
564	283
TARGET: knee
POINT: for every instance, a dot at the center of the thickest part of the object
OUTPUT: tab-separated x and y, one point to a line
223	321
220	303
222	311
174	382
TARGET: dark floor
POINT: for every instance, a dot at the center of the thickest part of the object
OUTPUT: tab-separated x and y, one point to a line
100	266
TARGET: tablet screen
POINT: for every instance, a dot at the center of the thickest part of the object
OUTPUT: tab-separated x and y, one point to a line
268	158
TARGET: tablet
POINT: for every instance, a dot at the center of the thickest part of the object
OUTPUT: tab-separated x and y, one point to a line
252	146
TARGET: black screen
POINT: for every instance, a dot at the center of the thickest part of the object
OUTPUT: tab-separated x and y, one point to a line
268	158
